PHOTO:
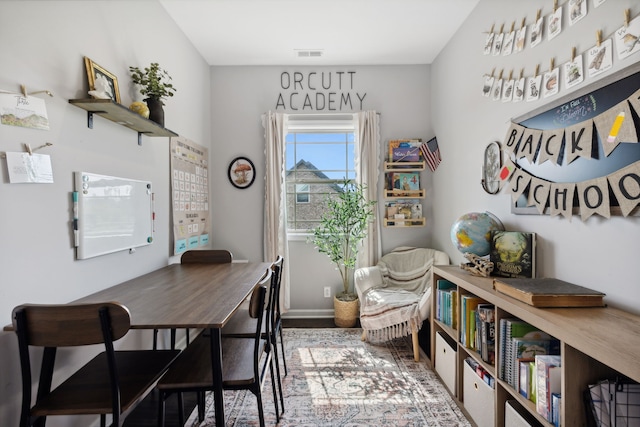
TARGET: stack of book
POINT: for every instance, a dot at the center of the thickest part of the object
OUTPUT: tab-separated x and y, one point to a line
520	342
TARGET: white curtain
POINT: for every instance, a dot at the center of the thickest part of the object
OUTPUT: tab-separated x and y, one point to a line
275	223
367	163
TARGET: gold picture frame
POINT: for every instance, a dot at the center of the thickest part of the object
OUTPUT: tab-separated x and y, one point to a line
94	72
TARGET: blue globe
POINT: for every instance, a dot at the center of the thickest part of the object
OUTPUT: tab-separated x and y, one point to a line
472	232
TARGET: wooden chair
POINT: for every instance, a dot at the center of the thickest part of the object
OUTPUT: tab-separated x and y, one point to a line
113	382
244	363
204	256
243	326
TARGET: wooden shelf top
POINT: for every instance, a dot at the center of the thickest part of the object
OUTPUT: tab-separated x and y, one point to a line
121	115
607	334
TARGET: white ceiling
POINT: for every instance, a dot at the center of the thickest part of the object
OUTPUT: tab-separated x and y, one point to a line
348	32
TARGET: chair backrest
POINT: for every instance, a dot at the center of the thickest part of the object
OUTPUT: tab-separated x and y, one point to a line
69	324
53	326
211	256
274	296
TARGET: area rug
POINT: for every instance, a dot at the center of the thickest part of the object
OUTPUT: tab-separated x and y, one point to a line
335	379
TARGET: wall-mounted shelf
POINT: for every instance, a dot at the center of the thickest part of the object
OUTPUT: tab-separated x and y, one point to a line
121	115
404	194
416	222
403	200
404	166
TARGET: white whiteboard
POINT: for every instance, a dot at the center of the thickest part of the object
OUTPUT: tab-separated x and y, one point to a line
111	214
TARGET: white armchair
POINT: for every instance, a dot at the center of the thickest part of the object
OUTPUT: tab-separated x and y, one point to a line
395	295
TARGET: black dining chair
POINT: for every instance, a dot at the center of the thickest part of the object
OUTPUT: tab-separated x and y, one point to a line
203	256
113	382
244	363
243	326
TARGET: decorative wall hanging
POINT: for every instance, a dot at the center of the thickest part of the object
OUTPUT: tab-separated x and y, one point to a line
584	149
491	168
598	58
241	172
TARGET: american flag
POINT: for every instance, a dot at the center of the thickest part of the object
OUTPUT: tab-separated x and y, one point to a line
431	153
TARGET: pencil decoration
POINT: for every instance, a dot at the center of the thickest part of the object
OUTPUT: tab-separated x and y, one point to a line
615	128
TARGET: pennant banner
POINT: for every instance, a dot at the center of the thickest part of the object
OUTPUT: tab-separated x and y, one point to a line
593	194
614	126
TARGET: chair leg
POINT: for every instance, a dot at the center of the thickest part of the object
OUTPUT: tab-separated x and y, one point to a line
284	359
276	361
201	405
416	345
180	408
161	408
260	408
364	335
273	386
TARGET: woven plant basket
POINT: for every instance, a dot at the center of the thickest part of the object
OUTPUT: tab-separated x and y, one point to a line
345	313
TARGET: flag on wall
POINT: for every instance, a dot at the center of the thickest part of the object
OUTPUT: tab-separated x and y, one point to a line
431	153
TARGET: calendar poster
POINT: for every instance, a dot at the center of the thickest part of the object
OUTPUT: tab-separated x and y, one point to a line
189	195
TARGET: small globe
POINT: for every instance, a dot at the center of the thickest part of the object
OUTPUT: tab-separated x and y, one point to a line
140	108
472	232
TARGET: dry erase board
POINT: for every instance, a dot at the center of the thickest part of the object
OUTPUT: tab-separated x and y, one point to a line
111	214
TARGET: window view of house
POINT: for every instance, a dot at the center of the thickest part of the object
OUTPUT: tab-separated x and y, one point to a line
317	163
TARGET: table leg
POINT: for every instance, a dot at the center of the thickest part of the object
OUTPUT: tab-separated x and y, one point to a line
216	360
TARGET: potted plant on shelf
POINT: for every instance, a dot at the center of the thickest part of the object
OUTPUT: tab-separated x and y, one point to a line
342	228
156	85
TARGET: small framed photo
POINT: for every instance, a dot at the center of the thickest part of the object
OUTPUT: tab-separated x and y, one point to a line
241	172
102	83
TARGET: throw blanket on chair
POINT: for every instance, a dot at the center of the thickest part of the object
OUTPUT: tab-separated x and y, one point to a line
397	300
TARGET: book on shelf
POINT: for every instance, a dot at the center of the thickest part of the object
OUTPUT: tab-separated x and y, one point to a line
468	305
549	292
529	346
547	379
485	327
513	253
510	328
524	379
410	209
446	304
404	150
404	182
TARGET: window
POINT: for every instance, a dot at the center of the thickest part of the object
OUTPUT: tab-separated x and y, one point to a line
319	156
302	193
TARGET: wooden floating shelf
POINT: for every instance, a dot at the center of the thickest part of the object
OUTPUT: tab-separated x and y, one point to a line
404	194
404	166
121	115
393	222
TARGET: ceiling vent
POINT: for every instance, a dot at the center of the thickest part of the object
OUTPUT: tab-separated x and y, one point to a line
307	53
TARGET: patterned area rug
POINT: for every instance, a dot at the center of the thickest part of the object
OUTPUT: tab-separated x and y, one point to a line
335	379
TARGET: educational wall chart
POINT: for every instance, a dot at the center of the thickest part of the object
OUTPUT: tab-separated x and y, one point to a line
189	195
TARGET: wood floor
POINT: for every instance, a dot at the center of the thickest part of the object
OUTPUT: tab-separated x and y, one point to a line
146	414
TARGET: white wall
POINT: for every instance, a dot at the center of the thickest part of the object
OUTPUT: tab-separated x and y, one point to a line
42	46
600	253
240	95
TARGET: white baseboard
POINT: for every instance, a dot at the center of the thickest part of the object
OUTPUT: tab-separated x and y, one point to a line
309	314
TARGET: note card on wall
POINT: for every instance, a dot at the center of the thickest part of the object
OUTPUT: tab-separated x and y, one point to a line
111	214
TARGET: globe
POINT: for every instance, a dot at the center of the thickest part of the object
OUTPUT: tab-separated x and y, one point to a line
472	232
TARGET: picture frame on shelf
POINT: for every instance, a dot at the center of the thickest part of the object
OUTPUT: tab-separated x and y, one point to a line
241	172
103	83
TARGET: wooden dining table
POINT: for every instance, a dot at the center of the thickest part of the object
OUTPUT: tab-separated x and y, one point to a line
203	296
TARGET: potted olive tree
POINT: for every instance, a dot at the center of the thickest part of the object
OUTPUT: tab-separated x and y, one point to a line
342	228
155	84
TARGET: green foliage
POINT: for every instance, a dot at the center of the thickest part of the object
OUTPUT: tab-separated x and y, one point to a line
154	81
342	227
